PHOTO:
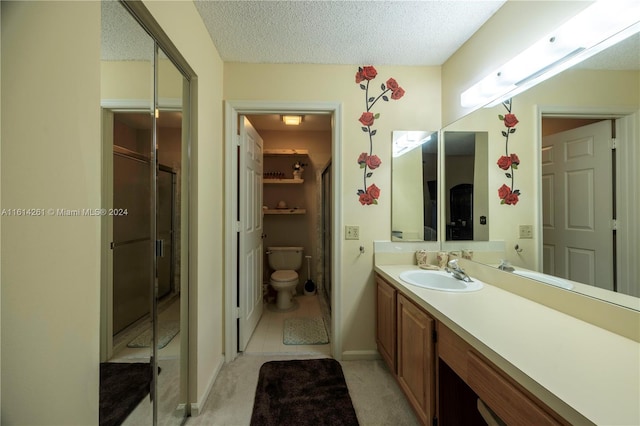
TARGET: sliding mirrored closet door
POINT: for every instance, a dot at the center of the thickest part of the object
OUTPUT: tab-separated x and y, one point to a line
145	192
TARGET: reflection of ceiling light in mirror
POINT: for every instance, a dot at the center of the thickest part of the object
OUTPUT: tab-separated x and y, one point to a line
292	120
597	27
406	141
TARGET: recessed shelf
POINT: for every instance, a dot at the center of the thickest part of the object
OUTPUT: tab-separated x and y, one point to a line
285	211
282	181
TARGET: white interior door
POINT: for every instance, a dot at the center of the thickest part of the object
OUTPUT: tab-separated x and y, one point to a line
578	205
251	230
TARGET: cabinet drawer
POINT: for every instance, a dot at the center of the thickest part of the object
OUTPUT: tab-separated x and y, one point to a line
453	350
505	398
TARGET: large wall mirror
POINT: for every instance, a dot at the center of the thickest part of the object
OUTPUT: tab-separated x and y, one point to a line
465	185
578	196
571	227
414	178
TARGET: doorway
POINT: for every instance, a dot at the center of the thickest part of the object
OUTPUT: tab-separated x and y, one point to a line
233	217
293	158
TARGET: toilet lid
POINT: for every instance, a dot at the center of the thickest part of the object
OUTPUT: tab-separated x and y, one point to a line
284	275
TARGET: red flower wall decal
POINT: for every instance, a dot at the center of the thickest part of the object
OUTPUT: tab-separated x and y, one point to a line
369	194
508	162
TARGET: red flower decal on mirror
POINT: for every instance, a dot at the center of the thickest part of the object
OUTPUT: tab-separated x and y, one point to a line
510	161
369	194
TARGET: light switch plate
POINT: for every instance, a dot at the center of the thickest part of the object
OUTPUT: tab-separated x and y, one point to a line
351	232
526	231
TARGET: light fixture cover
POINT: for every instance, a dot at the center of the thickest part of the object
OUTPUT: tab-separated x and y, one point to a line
601	25
406	141
292	120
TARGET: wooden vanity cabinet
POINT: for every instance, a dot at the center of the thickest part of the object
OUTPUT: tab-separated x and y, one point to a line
511	402
404	335
386	322
416	358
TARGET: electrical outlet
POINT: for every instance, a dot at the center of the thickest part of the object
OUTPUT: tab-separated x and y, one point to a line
526	231
351	232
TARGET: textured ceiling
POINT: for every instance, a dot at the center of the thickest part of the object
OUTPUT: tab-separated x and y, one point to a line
623	56
343	32
334	32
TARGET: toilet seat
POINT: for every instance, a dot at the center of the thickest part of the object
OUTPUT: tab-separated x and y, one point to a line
284	275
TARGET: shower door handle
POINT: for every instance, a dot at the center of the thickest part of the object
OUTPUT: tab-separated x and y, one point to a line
159	248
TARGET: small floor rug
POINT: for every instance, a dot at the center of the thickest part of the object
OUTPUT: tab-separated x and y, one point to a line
305	331
302	392
122	387
167	330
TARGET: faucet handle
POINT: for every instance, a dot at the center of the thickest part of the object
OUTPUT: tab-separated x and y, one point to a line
453	263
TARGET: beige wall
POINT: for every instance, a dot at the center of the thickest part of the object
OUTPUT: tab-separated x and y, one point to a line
50	159
407	211
418	109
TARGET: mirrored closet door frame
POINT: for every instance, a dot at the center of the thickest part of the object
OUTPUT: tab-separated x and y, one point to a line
163	48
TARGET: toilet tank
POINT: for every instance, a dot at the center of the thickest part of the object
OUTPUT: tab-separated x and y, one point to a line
281	258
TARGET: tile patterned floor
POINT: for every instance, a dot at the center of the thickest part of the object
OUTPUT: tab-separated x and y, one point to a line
268	335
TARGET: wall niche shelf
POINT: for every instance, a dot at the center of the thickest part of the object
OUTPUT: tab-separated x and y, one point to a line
283	181
285	151
285	211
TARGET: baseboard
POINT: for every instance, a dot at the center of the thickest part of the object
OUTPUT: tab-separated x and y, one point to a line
360	355
197	407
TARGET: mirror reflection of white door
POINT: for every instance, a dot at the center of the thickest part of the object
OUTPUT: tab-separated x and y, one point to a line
578	205
251	230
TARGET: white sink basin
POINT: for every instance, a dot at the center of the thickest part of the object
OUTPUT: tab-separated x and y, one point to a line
439	280
547	279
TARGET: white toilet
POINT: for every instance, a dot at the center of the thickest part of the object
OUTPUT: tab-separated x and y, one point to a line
284	261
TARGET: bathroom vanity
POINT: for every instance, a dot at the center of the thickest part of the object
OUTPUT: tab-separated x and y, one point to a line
526	362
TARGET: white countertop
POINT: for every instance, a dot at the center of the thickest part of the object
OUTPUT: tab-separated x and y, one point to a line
578	369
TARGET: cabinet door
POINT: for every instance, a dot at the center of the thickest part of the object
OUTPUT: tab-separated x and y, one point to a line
416	358
386	322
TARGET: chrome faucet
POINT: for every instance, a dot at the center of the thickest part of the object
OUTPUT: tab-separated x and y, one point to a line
505	266
454	269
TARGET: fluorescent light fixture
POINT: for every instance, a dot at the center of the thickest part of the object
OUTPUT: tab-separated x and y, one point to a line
292	120
597	27
407	141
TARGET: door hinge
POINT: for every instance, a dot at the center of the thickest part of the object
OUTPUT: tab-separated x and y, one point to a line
614	143
614	224
238	224
434	336
237	312
237	140
159	248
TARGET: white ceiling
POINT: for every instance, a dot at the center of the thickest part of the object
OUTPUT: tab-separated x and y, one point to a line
397	32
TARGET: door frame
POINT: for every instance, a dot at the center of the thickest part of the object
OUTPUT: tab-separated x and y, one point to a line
626	246
233	109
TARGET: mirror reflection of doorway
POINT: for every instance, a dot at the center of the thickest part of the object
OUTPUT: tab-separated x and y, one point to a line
131	238
133	303
579	200
460	225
